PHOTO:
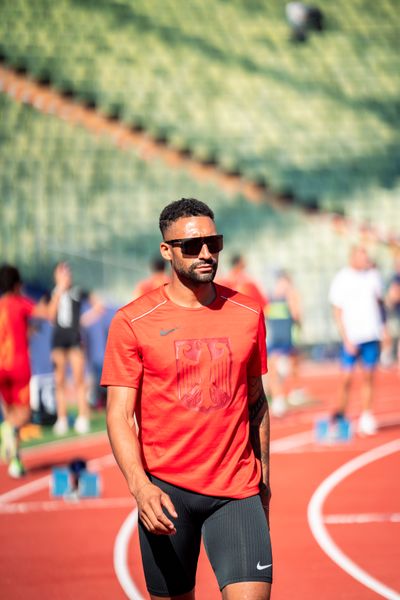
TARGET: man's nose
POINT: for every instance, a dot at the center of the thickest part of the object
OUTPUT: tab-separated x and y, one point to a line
204	252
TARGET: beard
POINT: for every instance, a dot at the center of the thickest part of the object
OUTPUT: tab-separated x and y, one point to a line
194	277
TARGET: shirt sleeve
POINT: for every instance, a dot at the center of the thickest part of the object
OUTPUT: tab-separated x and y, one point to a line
336	291
27	307
122	361
257	364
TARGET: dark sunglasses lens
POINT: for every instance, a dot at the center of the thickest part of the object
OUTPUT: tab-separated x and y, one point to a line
194	245
215	244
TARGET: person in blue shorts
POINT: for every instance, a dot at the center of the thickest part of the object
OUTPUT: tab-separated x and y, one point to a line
283	315
356	295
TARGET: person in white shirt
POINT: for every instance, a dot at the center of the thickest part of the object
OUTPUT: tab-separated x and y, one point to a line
356	294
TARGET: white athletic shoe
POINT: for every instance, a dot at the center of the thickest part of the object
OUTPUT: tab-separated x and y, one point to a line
8	442
16	468
60	427
278	406
367	423
82	425
297	397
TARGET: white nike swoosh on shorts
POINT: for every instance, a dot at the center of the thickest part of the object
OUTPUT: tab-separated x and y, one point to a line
261	567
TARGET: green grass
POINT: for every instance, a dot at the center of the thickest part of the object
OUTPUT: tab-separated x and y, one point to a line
97	423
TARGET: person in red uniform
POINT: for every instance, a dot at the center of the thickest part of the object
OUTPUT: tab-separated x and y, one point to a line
239	280
188	420
158	277
15	372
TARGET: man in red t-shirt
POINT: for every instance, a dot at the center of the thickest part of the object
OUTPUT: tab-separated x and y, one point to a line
186	361
15	372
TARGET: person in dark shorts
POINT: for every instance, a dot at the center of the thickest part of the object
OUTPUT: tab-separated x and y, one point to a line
184	364
67	347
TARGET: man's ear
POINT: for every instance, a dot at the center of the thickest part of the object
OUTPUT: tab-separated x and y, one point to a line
166	251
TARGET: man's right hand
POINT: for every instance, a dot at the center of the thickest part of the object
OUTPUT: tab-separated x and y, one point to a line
151	500
350	347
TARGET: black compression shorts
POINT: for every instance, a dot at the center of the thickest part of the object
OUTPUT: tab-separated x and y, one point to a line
65	338
235	535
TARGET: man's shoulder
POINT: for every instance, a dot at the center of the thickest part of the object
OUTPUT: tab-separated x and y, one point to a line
344	275
144	305
237	299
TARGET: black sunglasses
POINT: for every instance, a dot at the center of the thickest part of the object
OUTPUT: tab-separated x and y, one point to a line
193	246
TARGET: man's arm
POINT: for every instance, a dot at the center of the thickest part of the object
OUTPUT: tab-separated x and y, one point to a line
259	434
125	445
95	311
393	295
337	315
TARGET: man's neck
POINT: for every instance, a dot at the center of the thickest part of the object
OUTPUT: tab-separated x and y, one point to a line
193	296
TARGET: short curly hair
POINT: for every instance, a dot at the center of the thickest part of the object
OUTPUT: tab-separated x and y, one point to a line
185	207
9	278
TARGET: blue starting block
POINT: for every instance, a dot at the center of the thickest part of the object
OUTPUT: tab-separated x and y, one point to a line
61	482
64	483
330	431
89	485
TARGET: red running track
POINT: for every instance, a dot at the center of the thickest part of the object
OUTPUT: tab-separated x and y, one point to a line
54	550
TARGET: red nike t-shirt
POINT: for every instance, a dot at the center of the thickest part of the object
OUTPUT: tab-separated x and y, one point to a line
190	366
15	311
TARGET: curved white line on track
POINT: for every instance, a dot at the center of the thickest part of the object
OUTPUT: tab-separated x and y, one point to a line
316	519
121	557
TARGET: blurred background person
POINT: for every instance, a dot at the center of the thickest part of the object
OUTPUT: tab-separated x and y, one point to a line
157	278
356	295
302	19
238	279
283	316
15	372
67	348
392	300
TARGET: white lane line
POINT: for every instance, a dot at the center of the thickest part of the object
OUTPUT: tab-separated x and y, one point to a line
25	490
67	504
291	442
316	519
362	518
121	557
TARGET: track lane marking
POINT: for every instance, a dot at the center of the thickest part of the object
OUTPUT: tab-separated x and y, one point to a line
65	504
319	531
362	518
121	557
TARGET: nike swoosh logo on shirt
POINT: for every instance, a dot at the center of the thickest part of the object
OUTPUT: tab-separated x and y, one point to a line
167	331
261	567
